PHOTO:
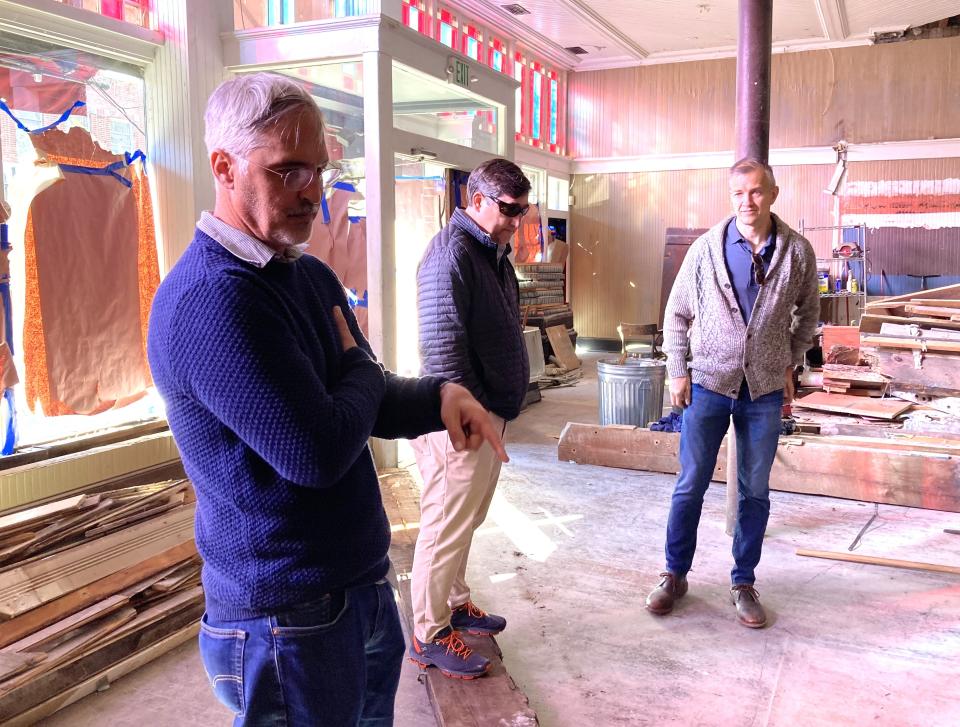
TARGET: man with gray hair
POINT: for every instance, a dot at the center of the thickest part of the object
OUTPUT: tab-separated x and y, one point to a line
468	304
271	393
740	317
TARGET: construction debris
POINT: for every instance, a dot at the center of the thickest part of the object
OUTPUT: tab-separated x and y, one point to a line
91	583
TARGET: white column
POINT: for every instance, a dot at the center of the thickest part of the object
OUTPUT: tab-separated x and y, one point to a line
178	83
381	216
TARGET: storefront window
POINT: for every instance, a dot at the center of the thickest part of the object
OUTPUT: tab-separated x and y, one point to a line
83	258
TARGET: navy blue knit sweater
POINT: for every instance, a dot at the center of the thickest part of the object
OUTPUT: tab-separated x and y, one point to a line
272	419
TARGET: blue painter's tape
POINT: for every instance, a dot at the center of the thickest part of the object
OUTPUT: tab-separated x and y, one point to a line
108	171
63	117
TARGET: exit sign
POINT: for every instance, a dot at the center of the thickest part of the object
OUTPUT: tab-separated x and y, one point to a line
461	73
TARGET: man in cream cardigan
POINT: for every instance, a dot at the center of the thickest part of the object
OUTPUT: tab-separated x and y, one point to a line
740	317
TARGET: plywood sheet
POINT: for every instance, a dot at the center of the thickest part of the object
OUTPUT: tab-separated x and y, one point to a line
562	347
856	405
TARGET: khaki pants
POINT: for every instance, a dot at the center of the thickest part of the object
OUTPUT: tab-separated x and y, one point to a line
457	490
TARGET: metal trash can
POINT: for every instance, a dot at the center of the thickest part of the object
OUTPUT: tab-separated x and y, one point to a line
632	392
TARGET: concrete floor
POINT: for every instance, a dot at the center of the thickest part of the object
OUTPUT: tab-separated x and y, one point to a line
568	555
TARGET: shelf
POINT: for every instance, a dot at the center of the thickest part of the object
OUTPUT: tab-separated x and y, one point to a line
838	259
841	295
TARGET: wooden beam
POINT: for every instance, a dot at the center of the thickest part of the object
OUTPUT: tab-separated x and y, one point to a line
618	445
804	464
874	560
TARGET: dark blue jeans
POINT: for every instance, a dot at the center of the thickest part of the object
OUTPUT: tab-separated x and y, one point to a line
705	421
335	662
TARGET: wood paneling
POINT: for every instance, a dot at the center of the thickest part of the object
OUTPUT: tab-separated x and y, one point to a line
619	233
889	92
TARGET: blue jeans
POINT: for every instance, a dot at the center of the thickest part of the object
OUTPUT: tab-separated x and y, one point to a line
705	421
334	662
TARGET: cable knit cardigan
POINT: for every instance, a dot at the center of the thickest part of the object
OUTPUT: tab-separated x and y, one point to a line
703	329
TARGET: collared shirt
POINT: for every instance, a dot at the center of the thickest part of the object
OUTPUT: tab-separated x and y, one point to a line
467	223
241	245
738	254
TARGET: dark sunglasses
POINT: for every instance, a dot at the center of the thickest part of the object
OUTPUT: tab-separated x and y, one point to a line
758	270
510	209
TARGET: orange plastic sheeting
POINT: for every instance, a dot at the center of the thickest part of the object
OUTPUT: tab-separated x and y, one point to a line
91	272
342	244
526	243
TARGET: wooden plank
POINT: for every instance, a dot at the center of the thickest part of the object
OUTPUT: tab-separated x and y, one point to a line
69	649
947	292
939	374
915	344
33	583
896	330
43	513
87	663
807	464
108	527
562	347
937	302
49	613
13	664
858	406
39	640
55	532
931	311
91	684
874	560
871	323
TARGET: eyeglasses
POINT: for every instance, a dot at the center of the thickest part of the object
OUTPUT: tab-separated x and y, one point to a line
758	271
299	178
510	209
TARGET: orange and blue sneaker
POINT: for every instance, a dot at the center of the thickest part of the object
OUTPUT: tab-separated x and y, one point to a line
475	621
448	653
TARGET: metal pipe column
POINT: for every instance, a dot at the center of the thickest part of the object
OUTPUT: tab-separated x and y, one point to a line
754	44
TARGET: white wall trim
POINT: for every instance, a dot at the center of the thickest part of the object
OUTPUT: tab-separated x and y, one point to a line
54	22
557	166
887	151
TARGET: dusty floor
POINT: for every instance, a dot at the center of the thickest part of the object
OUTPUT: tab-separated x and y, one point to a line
568	555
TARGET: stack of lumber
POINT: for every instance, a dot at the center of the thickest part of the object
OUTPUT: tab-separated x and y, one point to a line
908	352
914	341
90	587
541	284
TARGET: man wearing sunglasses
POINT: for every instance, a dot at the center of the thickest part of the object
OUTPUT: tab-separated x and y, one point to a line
740	317
272	394
470	332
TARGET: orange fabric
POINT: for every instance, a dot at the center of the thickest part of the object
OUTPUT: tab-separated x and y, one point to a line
148	264
88	290
37	382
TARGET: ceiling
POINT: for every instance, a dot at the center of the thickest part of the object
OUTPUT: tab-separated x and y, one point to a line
618	33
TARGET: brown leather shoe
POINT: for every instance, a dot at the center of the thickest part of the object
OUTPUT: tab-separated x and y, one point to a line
749	611
661	599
